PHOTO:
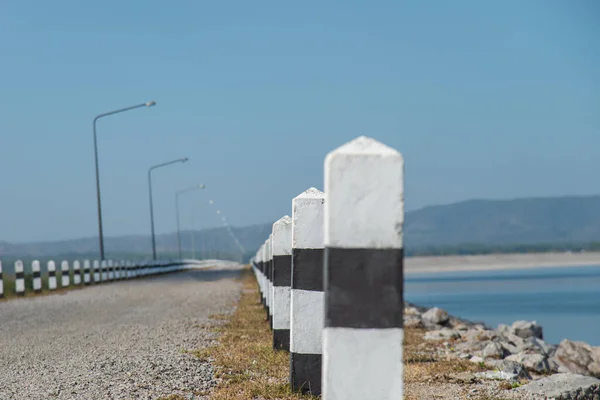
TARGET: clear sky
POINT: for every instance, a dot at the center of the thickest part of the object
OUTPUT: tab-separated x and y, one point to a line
484	99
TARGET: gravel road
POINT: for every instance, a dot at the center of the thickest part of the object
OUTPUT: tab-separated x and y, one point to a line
122	340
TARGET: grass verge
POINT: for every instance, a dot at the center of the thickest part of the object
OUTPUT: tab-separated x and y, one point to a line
244	359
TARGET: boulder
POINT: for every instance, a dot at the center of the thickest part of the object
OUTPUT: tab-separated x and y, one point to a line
510	367
526	329
435	316
564	387
573	357
444	333
412	321
532	361
493	350
535	345
511	342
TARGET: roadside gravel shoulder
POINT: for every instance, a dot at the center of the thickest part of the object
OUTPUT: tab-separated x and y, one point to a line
120	341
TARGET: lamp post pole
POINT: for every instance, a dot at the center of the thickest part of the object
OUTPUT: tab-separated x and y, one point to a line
200	186
100	231
179	160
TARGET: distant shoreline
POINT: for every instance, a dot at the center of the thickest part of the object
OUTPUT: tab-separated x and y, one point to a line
497	262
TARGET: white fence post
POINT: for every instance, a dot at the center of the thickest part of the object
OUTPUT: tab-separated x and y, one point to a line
37	276
76	273
307	297
65	279
111	270
259	273
96	264
270	278
103	270
364	216
86	272
19	278
1	282
282	280
51	275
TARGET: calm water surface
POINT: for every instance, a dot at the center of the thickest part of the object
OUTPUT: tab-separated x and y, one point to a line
565	301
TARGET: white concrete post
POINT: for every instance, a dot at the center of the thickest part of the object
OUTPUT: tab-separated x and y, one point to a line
270	278
96	271
111	270
259	267
307	297
364	217
76	273
64	277
104	270
265	278
37	276
19	278
86	272
282	281
1	282
51	275
122	269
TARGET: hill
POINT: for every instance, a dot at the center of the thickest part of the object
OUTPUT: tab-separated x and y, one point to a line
472	226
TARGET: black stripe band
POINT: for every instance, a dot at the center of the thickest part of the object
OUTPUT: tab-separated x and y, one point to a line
0	275
307	269
20	275
281	339
282	270
363	288
36	274
52	273
305	373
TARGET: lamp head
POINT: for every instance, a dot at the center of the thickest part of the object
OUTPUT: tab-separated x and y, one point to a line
202	186
150	103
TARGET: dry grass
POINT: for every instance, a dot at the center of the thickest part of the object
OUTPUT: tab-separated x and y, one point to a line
248	367
244	359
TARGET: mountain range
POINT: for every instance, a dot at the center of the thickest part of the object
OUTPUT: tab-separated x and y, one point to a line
492	223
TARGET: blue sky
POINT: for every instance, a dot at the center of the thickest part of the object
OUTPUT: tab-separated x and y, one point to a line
484	99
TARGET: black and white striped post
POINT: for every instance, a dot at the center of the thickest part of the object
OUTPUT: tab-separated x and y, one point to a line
96	265
307	297
51	275
111	270
86	272
19	278
282	280
260	270
1	282
65	279
103	270
364	216
76	273
270	278
37	276
264	276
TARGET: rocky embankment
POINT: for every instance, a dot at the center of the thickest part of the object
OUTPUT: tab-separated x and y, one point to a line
517	353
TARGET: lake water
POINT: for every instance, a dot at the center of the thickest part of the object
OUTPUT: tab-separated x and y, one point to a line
565	301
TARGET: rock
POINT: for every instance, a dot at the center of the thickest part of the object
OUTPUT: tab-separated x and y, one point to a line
573	357
435	316
527	329
532	361
444	333
564	387
511	342
496	375
536	345
510	367
476	359
411	311
412	321
493	350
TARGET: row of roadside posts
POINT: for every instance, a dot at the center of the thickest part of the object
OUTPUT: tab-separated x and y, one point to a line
90	272
331	277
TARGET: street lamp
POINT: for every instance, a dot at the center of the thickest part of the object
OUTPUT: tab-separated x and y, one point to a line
179	160
100	232
200	186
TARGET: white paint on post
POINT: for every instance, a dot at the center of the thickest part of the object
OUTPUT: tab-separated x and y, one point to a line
64	278
76	273
96	271
1	282
103	270
86	272
307	297
111	270
282	272
51	275
36	273
364	215
20	278
270	282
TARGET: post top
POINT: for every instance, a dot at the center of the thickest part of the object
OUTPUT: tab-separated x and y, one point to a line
365	145
310	193
285	220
